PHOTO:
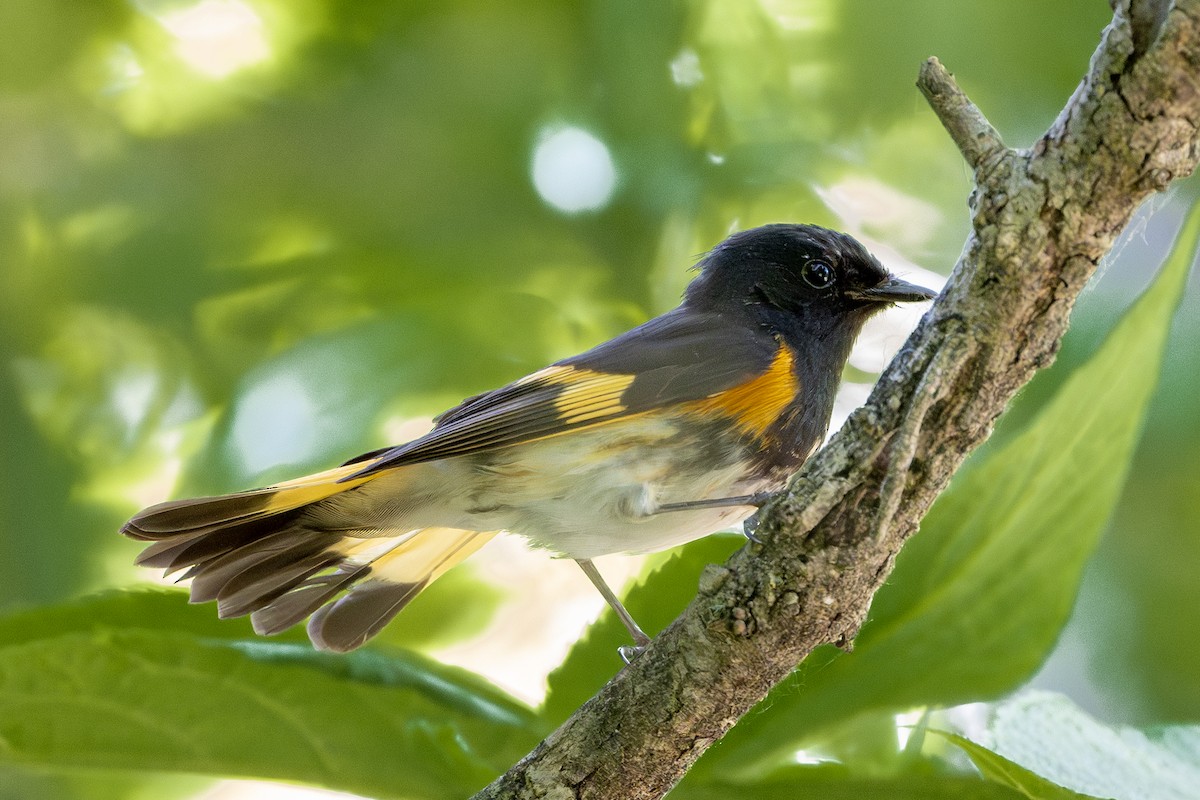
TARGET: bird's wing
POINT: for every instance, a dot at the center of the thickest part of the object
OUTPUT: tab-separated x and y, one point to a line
677	358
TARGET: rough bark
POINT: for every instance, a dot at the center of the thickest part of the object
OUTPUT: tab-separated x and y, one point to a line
1042	221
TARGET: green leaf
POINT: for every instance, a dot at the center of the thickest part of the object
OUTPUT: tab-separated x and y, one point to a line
654	602
438	616
385	725
979	596
164	610
26	783
998	769
1050	735
836	782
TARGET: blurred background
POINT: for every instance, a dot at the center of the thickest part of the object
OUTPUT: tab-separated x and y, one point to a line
246	239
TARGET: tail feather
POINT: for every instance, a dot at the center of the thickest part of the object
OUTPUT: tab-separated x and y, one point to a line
217	578
308	596
283	553
347	623
197	547
397	577
206	514
197	515
247	596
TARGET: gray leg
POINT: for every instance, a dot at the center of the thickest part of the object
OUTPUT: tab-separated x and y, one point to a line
640	639
757	499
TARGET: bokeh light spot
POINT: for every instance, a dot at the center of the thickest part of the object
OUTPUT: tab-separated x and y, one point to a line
573	170
274	424
132	396
217	37
124	69
685	69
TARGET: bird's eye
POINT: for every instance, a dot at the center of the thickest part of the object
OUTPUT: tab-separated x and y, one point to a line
817	274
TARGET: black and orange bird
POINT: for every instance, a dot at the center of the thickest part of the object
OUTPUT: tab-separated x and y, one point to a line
669	432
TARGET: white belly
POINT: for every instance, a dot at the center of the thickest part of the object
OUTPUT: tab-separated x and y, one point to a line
606	501
583	495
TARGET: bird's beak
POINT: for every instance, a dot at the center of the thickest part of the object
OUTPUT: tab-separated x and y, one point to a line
894	290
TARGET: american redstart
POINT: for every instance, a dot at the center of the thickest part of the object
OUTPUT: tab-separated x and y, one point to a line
669	432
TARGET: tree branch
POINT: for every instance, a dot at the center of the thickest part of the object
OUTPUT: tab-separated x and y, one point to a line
1042	220
977	140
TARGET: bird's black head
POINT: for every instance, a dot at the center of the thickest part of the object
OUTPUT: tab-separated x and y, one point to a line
799	277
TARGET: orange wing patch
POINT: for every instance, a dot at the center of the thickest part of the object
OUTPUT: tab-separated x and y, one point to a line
757	403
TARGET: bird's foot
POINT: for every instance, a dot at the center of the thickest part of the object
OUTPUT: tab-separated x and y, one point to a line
629	652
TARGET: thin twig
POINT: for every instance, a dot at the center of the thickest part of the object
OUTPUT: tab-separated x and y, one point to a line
977	140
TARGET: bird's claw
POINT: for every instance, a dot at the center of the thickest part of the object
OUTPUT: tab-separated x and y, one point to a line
750	524
629	652
750	528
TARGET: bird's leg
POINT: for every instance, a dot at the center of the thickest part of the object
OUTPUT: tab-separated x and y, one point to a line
756	500
640	638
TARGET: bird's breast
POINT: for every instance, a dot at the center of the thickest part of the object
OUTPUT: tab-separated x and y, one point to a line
597	492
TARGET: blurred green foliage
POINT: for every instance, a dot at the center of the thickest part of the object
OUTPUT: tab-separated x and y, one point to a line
1000	770
246	238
